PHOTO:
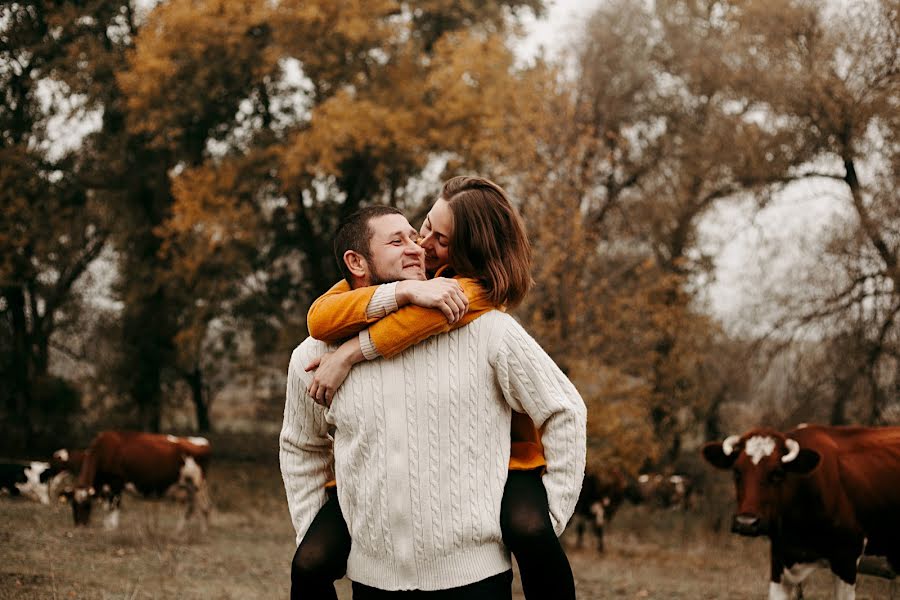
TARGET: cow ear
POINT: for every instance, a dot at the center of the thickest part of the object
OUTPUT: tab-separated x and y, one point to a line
806	461
714	455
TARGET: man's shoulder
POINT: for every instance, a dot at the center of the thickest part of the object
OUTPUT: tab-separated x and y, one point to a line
491	328
494	319
308	349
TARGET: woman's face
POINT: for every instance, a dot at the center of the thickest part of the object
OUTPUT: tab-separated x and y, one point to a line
436	231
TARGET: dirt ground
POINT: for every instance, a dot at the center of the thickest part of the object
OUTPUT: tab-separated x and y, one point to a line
246	552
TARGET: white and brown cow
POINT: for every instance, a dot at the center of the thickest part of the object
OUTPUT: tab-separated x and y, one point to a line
823	495
598	501
65	466
153	464
26	478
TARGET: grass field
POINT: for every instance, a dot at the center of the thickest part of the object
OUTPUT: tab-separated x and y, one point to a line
246	552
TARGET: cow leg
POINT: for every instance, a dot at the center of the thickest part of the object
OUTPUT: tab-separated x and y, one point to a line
844	590
844	579
111	521
779	590
197	498
844	567
579	531
204	504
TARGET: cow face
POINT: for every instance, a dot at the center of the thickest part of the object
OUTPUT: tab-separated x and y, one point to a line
765	465
81	499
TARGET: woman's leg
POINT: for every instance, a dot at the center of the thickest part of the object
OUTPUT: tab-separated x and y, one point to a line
321	558
528	532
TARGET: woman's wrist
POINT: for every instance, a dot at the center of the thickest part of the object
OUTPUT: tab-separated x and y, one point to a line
350	352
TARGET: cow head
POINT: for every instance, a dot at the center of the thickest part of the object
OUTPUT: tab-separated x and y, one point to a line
33	487
81	500
765	464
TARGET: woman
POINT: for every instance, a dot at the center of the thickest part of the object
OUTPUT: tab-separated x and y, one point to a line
474	231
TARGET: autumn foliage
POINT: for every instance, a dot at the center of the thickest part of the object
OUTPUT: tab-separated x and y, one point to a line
229	138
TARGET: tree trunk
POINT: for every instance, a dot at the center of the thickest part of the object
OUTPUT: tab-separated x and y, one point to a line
20	398
201	406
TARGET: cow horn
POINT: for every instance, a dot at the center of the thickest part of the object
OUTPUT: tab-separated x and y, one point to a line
730	442
793	450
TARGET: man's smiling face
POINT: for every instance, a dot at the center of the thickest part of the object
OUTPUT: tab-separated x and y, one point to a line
394	253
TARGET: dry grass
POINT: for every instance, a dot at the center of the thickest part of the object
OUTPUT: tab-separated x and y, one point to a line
246	552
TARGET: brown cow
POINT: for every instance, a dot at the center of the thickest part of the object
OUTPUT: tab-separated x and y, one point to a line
823	496
65	465
154	464
661	491
598	501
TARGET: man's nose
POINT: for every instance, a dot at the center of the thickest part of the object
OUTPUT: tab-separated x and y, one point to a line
414	248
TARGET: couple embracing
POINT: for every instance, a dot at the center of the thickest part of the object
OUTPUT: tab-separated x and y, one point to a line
427	435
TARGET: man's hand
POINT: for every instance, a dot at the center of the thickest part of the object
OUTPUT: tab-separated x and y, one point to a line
442	293
332	369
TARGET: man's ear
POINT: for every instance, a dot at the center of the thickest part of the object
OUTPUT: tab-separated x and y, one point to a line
356	263
715	455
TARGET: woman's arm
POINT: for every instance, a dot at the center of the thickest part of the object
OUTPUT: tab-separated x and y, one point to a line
331	369
342	312
448	307
410	325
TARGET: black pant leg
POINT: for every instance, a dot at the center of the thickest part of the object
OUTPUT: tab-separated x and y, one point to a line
528	532
321	558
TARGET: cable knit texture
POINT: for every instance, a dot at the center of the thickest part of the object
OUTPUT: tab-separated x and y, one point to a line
421	450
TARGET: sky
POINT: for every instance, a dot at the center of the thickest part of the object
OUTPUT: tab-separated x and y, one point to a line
562	17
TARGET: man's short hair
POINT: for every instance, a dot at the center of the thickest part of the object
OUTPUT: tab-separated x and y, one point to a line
355	234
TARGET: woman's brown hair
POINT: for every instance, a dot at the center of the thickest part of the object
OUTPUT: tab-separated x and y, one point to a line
488	242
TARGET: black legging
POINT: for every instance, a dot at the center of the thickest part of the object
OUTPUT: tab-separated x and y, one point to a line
528	533
321	558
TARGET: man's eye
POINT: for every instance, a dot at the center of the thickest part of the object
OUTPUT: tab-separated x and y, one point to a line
396	242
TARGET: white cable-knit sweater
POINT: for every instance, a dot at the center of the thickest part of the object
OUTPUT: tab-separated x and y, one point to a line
421	448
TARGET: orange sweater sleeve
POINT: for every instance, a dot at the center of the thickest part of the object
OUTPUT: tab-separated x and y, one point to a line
411	324
340	312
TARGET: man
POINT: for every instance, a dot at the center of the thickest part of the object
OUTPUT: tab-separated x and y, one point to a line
421	443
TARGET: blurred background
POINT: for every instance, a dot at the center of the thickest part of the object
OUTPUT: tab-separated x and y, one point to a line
709	187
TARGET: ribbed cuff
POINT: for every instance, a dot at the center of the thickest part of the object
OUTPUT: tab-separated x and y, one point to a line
368	348
383	302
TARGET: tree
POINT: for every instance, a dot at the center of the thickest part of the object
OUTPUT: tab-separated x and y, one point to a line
51	229
836	82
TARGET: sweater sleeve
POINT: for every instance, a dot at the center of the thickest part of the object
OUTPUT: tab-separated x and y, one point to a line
532	383
411	324
305	453
341	312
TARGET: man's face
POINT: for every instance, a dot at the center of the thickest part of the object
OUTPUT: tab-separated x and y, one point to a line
393	251
436	231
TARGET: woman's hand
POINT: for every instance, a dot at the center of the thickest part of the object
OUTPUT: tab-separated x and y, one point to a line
442	293
331	369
